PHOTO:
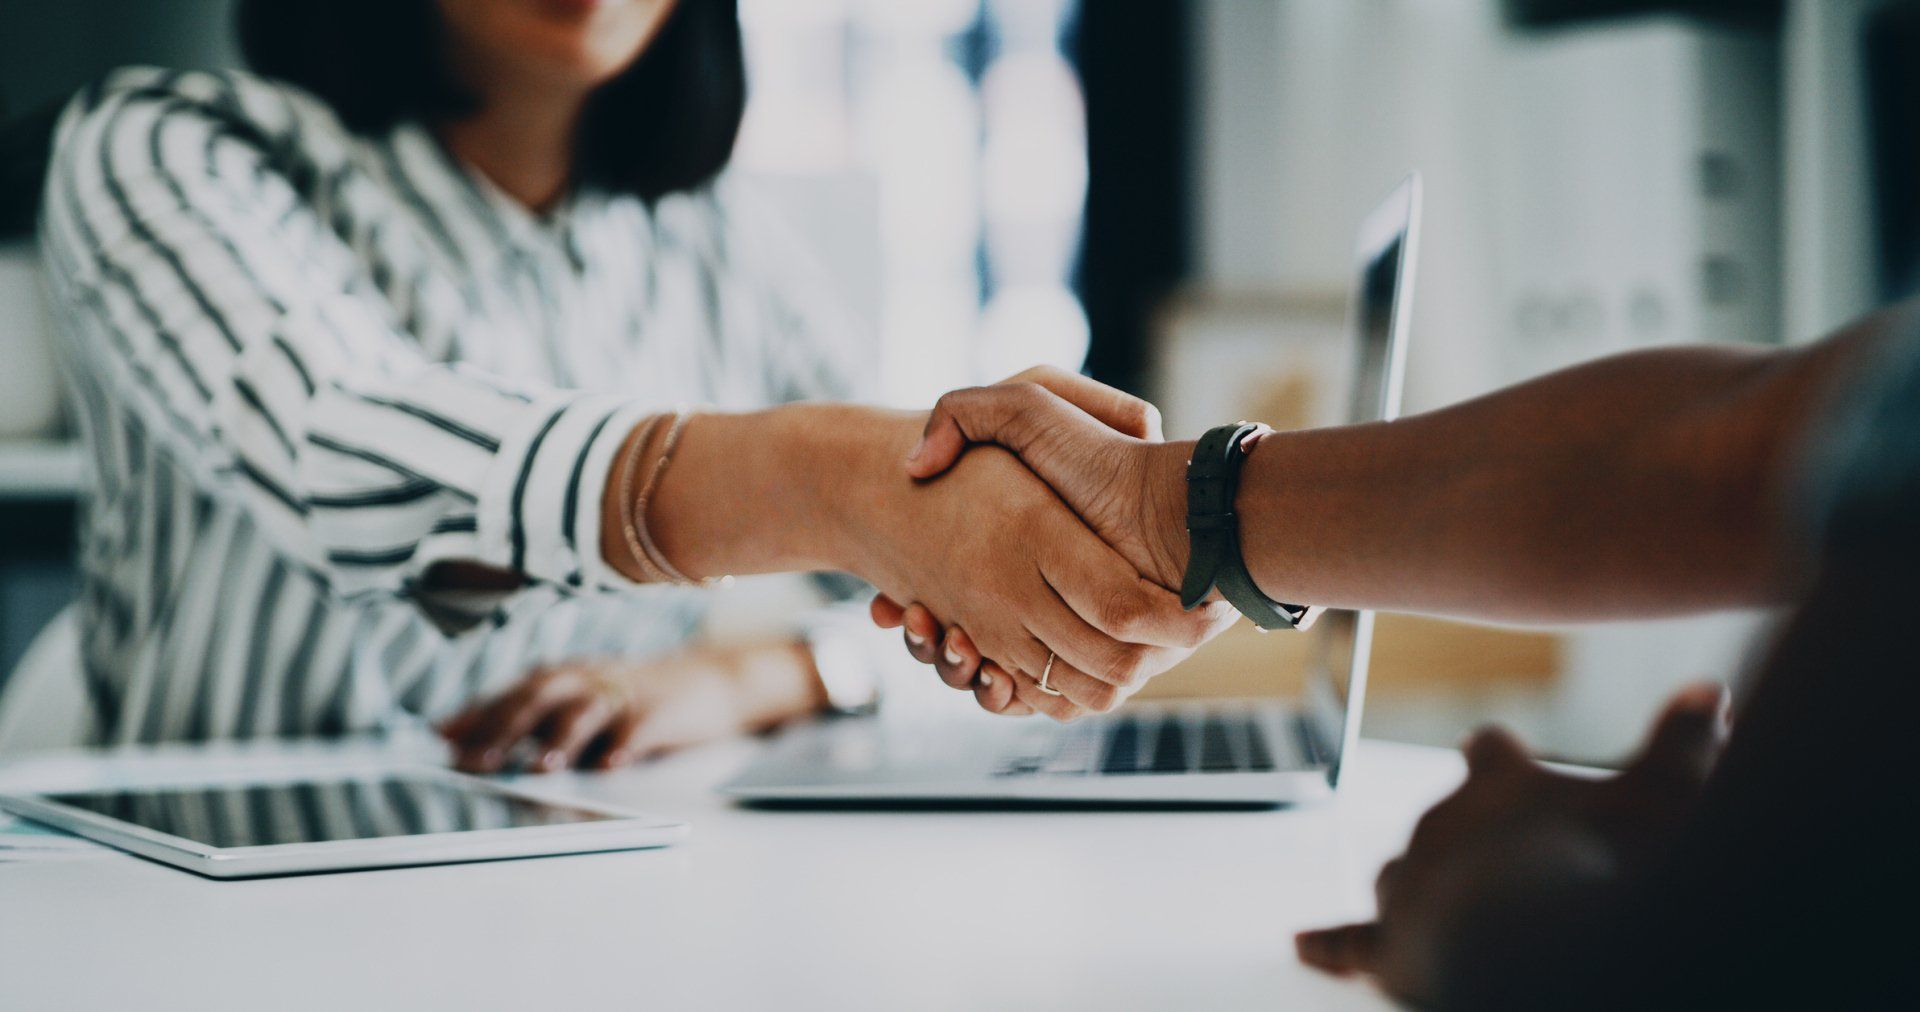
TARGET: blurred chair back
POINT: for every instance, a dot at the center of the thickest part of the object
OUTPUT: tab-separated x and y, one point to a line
43	703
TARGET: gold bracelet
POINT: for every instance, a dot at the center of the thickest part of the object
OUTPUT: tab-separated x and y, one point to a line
637	520
630	463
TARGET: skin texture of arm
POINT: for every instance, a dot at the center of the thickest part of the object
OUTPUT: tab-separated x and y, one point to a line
1643	484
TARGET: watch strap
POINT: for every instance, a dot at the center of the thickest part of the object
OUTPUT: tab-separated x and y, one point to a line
1213	530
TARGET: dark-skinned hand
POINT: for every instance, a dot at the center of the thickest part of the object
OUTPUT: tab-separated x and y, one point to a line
1514	828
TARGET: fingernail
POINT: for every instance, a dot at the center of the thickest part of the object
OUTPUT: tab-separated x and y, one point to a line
490	759
618	758
916	639
552	760
986	680
952	655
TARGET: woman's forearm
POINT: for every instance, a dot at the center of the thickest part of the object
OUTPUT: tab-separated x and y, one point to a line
756	492
1646	483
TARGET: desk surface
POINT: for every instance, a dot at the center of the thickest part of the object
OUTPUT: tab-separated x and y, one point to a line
758	910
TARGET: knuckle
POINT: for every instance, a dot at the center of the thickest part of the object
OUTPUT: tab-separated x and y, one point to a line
1028	394
1103	698
1123	613
1128	664
1197	627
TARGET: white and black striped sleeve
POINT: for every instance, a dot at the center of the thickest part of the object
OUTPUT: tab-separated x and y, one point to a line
191	235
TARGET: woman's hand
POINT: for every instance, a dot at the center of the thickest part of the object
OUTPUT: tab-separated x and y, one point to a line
609	712
1521	848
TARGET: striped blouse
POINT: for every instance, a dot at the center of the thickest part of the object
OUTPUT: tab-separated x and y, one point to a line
309	365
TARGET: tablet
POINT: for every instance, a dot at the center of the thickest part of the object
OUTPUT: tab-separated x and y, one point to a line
376	819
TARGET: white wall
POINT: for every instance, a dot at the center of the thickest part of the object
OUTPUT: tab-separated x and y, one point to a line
1309	111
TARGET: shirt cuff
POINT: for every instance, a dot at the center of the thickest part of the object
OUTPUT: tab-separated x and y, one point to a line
540	511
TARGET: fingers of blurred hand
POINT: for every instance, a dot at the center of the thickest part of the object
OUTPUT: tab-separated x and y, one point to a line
958	662
922	633
509	718
456	727
1687	737
1386	884
1112	407
1493	750
1342	951
886	612
574	725
624	744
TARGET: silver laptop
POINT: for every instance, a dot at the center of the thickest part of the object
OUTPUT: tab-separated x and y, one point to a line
1214	753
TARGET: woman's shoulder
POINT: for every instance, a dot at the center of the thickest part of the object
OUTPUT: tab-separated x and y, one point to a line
144	99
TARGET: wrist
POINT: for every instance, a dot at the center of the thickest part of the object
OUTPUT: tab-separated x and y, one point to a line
1164	510
859	481
615	547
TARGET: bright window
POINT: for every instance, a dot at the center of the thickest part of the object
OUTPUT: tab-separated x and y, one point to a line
968	116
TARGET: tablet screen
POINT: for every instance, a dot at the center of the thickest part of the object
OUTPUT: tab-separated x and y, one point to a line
262	815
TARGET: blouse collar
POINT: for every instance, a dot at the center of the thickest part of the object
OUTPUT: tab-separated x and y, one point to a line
503	228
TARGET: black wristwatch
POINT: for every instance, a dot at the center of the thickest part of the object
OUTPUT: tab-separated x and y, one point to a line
1213	479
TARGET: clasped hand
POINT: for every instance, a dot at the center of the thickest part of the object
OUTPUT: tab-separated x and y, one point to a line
1099	452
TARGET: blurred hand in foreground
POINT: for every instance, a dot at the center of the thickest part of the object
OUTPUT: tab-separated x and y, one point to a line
1520	848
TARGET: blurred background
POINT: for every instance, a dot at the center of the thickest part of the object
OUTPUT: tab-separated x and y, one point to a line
1164	192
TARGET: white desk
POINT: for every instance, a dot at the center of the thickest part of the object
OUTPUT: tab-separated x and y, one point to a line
758	910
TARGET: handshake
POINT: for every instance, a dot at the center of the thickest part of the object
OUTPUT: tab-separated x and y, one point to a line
1048	583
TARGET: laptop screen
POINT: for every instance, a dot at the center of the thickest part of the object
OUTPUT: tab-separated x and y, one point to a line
1382	292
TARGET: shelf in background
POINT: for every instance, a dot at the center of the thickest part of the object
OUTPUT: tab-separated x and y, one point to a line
40	469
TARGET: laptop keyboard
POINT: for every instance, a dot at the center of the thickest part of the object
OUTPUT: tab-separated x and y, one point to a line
1149	743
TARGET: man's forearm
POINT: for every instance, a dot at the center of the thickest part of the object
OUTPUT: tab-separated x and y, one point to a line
1646	483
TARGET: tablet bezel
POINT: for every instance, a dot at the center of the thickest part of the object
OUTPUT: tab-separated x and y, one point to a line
623	830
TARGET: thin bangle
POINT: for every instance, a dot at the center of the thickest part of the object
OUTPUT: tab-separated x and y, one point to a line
637	520
629	463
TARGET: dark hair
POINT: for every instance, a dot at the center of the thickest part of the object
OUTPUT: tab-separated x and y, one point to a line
666	124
